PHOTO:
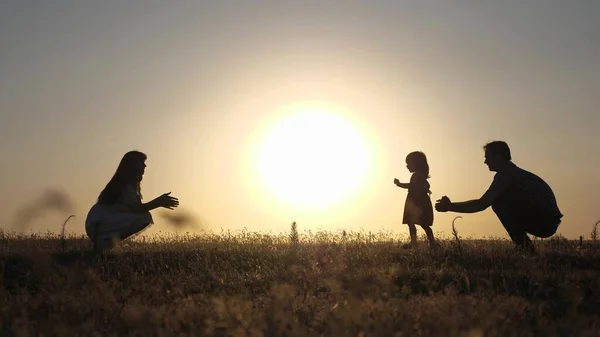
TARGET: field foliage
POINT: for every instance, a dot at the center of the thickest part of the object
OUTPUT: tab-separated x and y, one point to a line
296	284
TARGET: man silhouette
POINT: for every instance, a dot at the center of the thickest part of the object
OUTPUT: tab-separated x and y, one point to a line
523	202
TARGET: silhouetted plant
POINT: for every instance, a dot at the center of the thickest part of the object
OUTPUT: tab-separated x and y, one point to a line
63	242
294	234
455	234
594	233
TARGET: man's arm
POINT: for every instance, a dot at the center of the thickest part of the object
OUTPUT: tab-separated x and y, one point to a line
471	206
499	185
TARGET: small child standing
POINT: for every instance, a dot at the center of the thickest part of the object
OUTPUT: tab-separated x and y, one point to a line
418	209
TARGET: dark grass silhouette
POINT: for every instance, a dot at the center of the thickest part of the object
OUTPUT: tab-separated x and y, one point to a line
297	284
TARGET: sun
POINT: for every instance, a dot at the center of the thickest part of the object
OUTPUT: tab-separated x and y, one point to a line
313	157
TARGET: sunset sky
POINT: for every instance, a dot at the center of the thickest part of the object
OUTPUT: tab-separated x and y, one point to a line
207	88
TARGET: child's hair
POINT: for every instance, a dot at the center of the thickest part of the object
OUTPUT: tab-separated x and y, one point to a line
419	159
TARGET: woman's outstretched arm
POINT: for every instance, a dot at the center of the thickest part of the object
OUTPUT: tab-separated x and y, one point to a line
143	207
165	200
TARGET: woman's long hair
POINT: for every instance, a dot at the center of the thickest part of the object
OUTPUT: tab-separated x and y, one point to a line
127	174
419	159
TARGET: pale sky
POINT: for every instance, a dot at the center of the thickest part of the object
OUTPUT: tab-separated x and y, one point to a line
196	84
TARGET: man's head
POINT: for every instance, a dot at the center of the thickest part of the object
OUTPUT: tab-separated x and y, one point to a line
497	155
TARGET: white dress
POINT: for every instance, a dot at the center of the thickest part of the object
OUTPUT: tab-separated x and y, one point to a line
105	223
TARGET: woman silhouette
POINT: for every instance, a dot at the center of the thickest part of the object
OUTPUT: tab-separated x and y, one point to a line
119	212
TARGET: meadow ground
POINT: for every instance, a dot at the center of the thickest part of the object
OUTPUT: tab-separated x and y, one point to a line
313	284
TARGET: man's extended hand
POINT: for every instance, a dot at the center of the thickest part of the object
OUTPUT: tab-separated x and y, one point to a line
443	205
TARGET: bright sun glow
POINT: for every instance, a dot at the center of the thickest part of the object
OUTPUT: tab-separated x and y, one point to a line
313	158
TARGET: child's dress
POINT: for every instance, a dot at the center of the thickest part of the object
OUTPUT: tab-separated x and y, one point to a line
104	223
418	209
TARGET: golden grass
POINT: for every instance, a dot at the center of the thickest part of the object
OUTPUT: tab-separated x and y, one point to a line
320	284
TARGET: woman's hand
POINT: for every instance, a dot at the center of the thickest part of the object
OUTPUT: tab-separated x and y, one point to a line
396	182
167	201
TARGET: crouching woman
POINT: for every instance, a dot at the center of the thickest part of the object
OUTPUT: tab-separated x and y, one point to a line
119	212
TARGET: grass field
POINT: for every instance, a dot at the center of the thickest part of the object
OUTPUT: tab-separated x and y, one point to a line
313	284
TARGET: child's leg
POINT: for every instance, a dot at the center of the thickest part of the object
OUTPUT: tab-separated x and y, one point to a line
412	229
429	233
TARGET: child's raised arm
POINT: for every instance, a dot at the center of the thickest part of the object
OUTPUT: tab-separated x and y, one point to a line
417	182
401	185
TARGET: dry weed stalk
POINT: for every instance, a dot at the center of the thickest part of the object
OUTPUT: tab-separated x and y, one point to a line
63	230
455	234
594	233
